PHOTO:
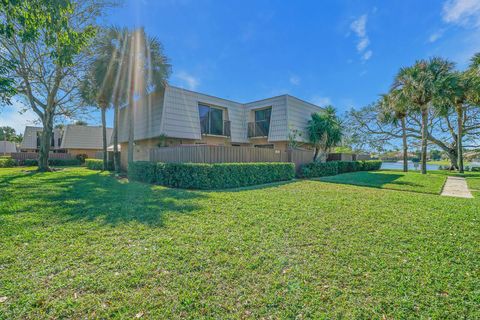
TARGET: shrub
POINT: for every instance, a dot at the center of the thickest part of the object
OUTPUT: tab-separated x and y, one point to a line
143	171
210	176
5	157
7	163
319	169
222	175
81	158
348	166
52	162
322	169
97	164
369	165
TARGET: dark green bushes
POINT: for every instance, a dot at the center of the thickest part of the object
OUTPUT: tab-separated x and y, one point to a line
52	162
210	176
322	169
7	162
144	171
97	164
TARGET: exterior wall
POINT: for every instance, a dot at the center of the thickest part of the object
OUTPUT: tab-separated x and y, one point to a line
148	116
29	141
91	153
181	118
278	119
299	113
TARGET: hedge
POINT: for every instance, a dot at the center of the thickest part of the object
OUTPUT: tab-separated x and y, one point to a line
144	171
97	164
7	162
52	162
210	176
322	169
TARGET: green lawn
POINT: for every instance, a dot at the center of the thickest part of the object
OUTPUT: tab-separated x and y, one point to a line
396	180
82	244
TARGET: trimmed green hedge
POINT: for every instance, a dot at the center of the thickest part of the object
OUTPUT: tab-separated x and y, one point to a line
210	176
322	169
52	162
319	169
97	164
7	162
144	171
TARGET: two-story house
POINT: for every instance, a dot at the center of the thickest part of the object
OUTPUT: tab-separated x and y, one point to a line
178	116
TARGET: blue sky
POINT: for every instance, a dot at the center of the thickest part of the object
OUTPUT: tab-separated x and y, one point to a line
343	53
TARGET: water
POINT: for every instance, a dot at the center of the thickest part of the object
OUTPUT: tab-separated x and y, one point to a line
399	166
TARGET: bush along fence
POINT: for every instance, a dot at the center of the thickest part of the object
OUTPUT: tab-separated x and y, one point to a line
97	164
210	176
7	162
322	169
51	162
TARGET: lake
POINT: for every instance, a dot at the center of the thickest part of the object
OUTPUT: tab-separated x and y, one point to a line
411	166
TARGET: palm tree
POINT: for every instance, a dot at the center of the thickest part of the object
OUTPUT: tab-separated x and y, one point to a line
147	72
456	90
324	131
96	89
112	48
393	109
419	85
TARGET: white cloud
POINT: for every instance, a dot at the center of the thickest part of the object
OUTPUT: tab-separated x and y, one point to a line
295	80
11	116
321	101
187	80
436	35
367	55
359	27
462	12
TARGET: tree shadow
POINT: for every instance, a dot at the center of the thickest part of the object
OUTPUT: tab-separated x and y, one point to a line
96	196
367	178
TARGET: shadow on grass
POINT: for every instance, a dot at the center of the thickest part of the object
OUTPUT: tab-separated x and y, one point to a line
366	178
72	197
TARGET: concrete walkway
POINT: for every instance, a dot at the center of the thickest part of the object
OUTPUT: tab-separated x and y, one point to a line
456	187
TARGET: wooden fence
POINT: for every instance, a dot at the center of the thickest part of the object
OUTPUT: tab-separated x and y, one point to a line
20	156
220	154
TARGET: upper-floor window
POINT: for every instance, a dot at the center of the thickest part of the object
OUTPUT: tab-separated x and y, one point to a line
59	140
261	126
211	120
52	141
39	133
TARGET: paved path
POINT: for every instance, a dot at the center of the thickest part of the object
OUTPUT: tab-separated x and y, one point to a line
456	187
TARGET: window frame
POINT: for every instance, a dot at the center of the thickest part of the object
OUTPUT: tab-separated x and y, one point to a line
209	130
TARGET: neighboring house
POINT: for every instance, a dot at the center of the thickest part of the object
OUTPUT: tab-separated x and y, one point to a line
84	139
72	139
177	116
7	147
31	139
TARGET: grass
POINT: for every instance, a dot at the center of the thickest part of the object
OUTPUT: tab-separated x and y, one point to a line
395	180
82	244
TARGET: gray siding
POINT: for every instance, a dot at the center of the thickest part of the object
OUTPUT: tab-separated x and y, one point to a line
181	118
278	120
298	114
148	116
30	137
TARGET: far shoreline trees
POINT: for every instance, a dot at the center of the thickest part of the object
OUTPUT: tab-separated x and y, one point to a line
440	104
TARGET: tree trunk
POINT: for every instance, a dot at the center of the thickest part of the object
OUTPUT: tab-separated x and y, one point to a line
424	139
315	154
45	141
130	127
104	136
116	154
452	155
405	147
459	138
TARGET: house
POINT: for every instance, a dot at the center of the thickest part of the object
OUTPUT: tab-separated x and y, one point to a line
31	139
178	116
72	139
7	147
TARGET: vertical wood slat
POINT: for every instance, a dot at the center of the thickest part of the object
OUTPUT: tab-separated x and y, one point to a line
220	154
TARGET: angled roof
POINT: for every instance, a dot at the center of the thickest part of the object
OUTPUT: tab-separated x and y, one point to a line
84	137
7	147
30	137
